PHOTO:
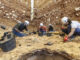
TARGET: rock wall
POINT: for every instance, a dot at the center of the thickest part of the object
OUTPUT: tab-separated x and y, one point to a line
47	11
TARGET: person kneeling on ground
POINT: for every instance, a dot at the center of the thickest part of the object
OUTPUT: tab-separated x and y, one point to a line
42	29
18	29
50	28
72	28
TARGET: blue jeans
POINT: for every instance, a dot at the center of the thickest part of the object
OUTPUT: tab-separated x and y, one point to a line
18	33
68	30
77	31
43	32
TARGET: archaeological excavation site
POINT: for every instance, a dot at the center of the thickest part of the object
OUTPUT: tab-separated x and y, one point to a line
39	29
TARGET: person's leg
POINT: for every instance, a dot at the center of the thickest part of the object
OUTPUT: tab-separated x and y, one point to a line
40	33
18	34
77	31
44	32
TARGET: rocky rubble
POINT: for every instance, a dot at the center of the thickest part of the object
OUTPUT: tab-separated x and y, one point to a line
47	12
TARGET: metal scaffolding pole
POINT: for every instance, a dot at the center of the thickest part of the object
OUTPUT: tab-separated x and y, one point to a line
32	10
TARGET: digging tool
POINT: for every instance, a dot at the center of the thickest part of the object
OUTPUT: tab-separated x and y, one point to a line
8	34
3	27
57	33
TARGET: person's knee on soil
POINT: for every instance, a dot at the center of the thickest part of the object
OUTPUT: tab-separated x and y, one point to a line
18	29
50	28
73	28
42	29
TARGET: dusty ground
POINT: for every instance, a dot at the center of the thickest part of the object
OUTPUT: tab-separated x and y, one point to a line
33	42
47	11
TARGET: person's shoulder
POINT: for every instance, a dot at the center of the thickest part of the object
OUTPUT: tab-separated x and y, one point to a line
74	21
18	24
74	24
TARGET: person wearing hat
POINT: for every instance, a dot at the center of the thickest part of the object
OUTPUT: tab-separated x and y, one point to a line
18	29
42	29
71	28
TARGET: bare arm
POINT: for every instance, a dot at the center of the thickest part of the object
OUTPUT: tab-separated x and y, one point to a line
26	28
72	32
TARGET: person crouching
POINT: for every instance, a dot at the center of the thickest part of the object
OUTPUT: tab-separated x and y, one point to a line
42	29
72	28
50	28
18	29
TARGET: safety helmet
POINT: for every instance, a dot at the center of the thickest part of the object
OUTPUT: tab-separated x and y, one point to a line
26	22
41	24
64	20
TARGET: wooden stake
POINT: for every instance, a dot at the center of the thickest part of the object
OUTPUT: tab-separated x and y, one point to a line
32	10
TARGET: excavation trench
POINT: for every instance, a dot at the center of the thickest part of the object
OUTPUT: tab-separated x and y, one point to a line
45	55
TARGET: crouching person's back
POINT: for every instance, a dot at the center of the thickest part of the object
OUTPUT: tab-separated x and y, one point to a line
18	29
50	28
42	29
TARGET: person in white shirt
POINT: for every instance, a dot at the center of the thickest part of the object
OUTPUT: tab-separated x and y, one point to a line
72	29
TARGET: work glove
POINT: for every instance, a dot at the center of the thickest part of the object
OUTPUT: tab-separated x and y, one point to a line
66	39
